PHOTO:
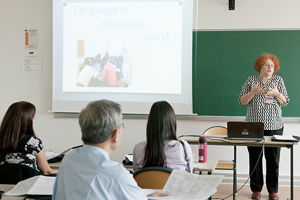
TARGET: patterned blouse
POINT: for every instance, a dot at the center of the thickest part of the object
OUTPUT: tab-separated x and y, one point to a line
260	111
28	148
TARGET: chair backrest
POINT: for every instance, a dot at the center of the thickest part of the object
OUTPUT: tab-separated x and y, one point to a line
216	130
13	173
152	177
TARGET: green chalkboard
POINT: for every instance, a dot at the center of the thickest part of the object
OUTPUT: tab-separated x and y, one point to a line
223	60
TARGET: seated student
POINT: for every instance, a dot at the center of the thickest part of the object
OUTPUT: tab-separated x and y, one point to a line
162	148
104	60
18	142
126	72
86	74
98	60
109	74
87	173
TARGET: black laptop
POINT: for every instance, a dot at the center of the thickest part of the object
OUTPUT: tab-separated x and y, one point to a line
250	131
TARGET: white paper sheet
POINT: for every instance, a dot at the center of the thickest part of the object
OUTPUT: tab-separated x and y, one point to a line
37	185
130	157
285	137
31	64
51	154
199	165
183	185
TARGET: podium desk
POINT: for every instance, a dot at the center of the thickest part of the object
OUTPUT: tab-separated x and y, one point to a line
221	140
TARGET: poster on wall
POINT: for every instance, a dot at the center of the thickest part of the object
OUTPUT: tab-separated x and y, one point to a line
31	65
31	39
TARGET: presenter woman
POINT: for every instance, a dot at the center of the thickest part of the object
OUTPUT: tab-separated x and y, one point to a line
18	143
264	94
162	148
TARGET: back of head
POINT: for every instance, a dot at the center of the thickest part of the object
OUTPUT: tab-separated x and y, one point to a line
88	61
161	122
98	120
17	122
161	127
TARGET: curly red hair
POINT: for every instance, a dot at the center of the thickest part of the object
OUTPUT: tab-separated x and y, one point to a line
261	60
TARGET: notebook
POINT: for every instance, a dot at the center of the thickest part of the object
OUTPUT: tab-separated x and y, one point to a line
253	131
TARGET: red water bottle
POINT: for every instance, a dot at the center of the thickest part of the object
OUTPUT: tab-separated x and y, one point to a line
202	149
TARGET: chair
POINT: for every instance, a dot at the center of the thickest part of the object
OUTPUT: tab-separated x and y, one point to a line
13	173
152	177
224	164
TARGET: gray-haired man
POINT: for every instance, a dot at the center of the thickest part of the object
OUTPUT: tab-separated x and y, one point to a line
87	172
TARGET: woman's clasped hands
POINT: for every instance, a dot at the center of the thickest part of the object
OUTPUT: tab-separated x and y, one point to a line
258	90
263	90
273	91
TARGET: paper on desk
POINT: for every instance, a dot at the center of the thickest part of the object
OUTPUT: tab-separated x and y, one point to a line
199	165
51	154
130	157
284	137
183	185
37	185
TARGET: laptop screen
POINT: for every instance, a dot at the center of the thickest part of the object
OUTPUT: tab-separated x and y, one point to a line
245	130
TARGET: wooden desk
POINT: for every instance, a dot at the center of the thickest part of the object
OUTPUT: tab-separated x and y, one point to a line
7	187
221	140
129	167
208	167
54	165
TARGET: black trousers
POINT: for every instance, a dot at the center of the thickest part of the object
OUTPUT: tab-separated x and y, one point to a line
272	155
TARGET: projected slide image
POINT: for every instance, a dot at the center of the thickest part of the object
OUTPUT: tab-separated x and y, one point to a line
125	47
106	71
154	37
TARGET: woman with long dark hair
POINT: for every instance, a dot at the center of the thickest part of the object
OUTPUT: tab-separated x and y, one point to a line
162	147
18	142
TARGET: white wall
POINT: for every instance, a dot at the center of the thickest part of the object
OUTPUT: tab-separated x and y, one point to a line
61	133
254	14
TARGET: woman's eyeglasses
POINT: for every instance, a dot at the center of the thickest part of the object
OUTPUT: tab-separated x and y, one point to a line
268	65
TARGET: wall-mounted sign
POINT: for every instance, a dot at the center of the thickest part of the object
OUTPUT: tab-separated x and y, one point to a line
31	39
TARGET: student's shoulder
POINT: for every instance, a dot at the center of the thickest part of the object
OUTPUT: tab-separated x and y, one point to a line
186	143
31	140
140	145
31	144
116	171
176	142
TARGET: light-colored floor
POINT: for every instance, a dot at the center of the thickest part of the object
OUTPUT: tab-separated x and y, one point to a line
245	193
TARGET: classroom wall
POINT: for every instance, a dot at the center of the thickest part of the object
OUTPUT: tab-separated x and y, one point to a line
60	133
